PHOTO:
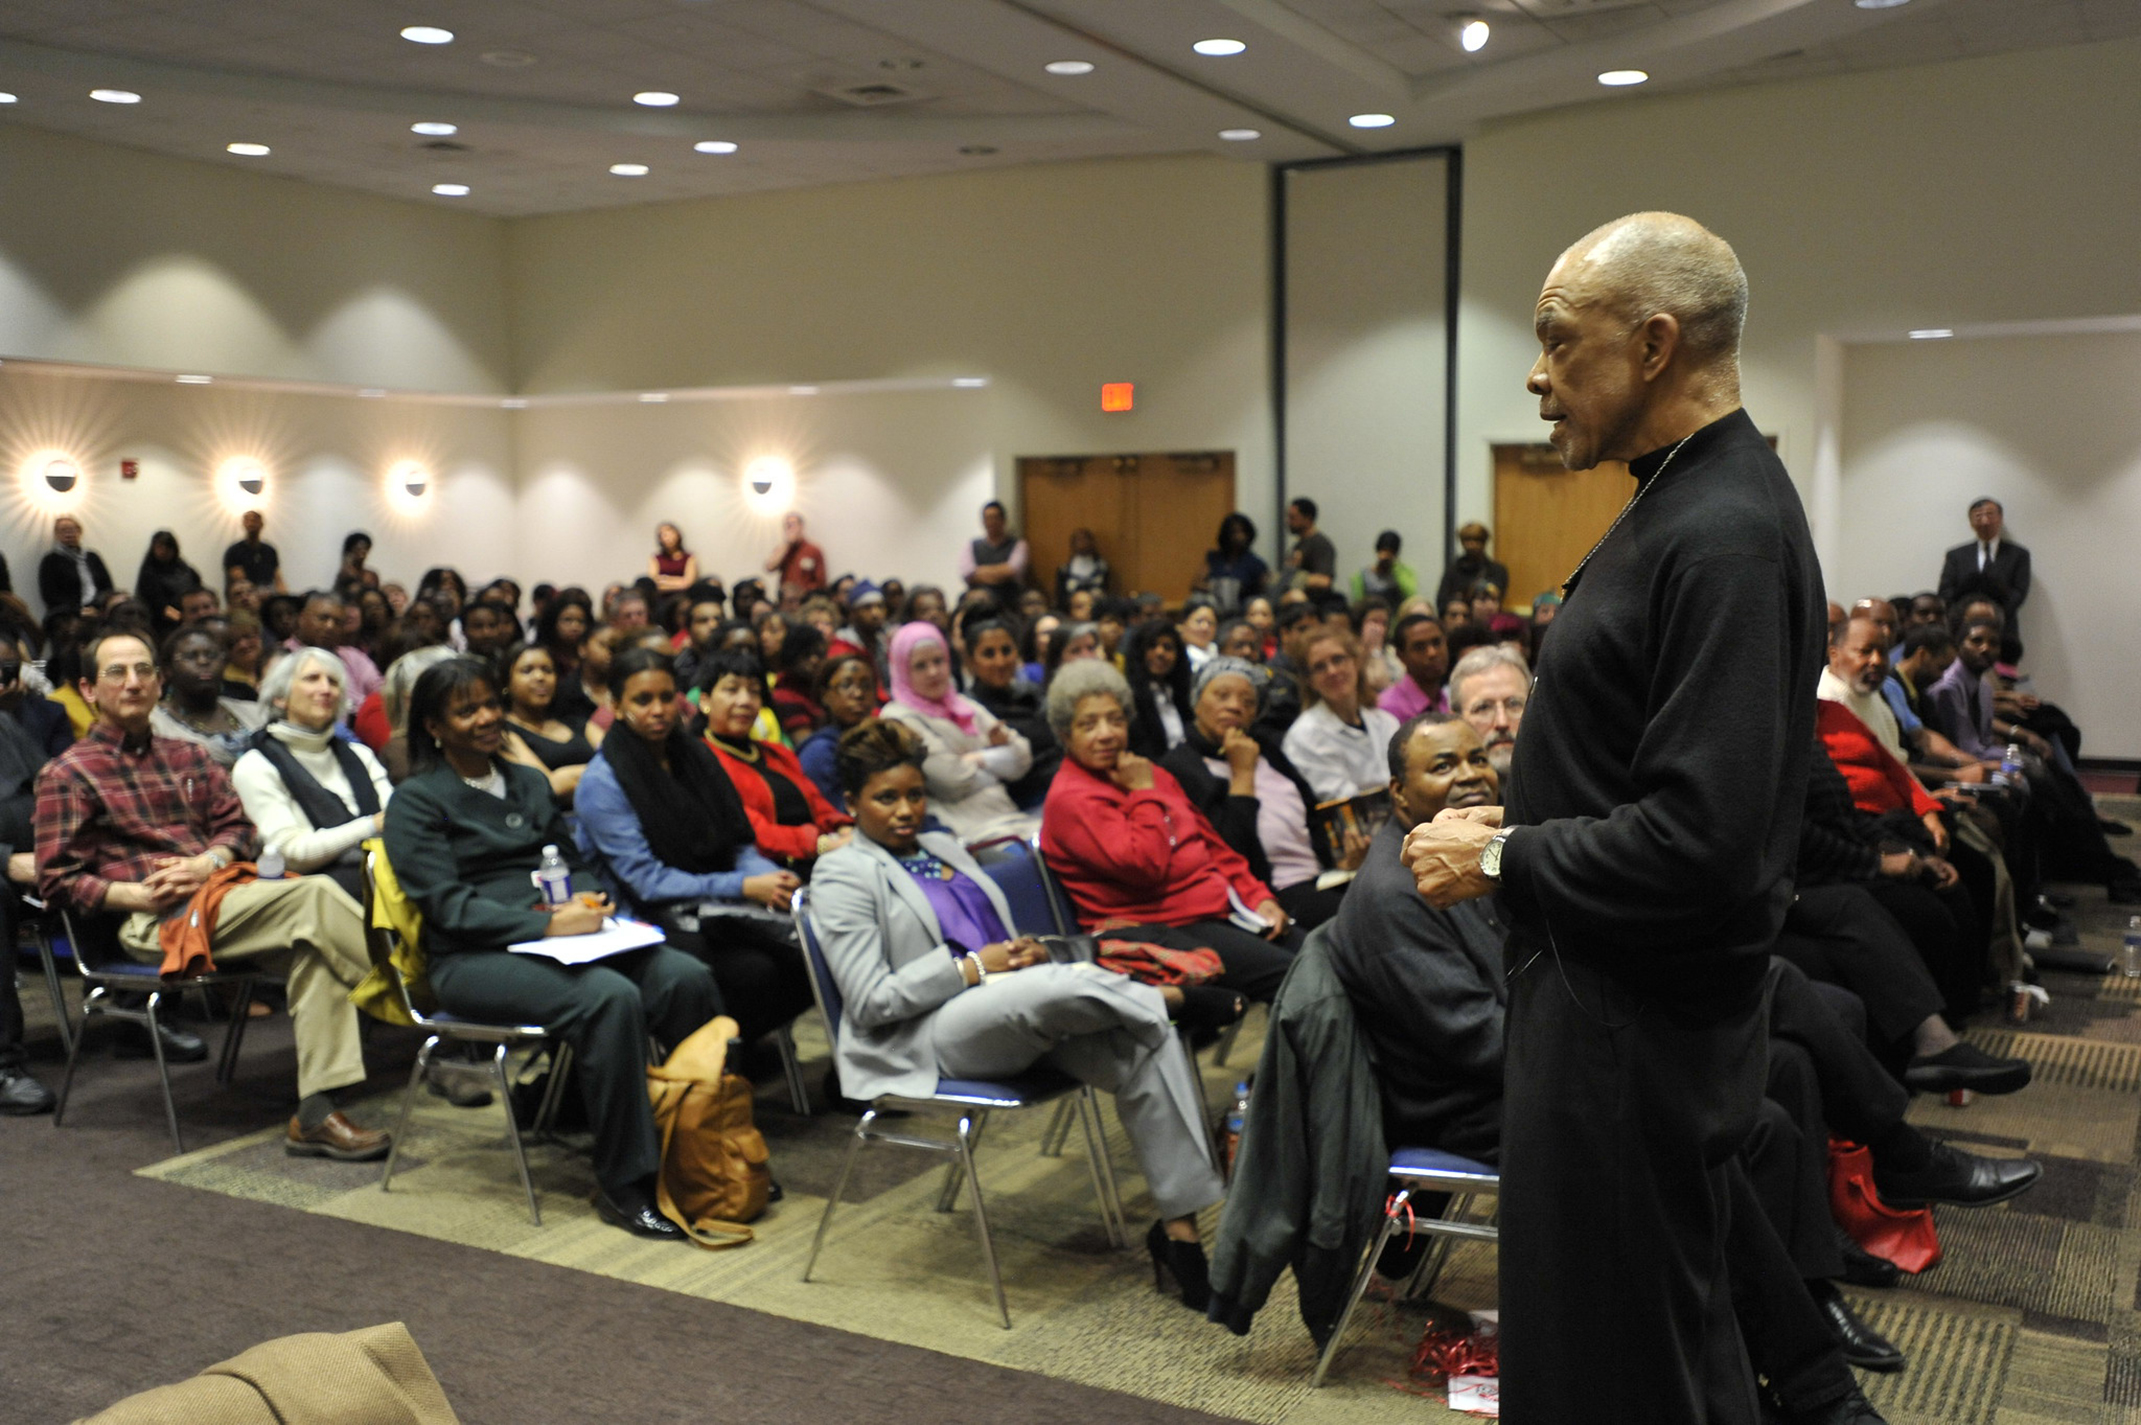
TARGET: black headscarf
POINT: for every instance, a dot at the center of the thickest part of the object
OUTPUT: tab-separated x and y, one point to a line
691	815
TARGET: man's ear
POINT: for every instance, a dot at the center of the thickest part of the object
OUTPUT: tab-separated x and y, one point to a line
1660	338
1398	806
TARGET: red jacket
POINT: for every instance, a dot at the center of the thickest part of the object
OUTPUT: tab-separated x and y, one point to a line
797	843
1148	857
1879	783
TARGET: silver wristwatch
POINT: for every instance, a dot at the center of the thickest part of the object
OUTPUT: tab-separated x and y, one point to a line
1490	855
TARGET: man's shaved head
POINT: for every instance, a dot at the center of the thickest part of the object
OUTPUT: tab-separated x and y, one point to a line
1647	263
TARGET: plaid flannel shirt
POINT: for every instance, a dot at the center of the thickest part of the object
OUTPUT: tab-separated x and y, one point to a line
108	812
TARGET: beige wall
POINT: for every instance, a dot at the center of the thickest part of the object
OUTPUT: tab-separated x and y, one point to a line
1985	190
121	258
2048	426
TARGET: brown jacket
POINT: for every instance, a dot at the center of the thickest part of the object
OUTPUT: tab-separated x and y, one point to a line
375	1376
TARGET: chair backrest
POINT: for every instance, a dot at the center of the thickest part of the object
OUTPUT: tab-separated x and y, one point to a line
380	940
1017	868
823	987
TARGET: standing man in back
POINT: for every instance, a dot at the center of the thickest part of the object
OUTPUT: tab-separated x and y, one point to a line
1313	561
1643	879
253	559
1991	562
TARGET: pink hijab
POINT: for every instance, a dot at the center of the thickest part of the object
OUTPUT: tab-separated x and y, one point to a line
905	642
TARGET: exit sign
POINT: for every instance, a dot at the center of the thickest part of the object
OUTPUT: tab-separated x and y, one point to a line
1118	395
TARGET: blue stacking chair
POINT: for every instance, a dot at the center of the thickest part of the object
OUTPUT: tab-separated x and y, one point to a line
1038	905
973	1100
1414	1171
107	972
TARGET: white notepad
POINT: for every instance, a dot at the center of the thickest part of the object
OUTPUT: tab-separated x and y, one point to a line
614	938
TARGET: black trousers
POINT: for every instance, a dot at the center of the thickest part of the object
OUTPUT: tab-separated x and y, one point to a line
1255	965
757	964
1855	1095
1622	1120
605	1011
1308	906
11	1021
1843	935
1788	1342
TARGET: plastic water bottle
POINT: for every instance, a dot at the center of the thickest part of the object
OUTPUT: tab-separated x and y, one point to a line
553	877
2011	765
269	867
1239	1114
2130	952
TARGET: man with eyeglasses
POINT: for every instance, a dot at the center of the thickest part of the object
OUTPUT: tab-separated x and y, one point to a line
1487	689
132	825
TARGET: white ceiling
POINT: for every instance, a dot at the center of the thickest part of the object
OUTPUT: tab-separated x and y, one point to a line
541	89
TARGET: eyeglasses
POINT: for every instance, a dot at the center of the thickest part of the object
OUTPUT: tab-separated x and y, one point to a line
117	672
1487	707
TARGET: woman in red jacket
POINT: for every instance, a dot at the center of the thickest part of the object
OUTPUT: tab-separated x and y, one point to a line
790	818
1133	850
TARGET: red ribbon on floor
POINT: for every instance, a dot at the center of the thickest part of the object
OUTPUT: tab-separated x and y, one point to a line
1447	1351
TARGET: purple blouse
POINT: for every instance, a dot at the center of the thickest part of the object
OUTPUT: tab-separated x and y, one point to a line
964	912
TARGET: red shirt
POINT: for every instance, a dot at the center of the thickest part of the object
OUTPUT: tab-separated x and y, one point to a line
109	812
804	566
1148	856
1879	783
797	843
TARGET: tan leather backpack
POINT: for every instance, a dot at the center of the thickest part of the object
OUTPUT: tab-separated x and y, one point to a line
714	1177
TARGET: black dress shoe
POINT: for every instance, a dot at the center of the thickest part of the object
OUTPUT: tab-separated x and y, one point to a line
1963	1179
1862	1346
1863	1268
641	1219
2113	827
1849	1409
462	1090
21	1095
1965	1066
1183	1261
180	1047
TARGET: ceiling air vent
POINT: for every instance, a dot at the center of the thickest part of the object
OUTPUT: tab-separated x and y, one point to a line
875	94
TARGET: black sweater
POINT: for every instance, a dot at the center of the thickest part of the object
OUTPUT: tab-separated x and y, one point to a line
1662	767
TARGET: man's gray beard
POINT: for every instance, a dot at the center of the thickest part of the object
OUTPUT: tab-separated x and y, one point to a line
1501	758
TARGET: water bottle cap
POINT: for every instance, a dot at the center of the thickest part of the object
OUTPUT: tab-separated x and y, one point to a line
550	850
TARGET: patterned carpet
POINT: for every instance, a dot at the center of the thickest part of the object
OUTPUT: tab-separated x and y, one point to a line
2032	1318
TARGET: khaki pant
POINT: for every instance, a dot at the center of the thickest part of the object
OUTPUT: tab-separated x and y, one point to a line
308	930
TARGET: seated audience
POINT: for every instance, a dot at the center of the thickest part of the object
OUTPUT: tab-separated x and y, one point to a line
539	733
1386	580
1071	642
1261	615
394	694
1238	638
464	835
1240	778
1337	740
194	708
802	653
1033	645
23	754
791	821
489	628
971	757
1085	572
660	820
1132	850
311	795
562	627
319	625
847	690
1423	656
1159	685
910	925
132	825
705	611
1197	626
998	683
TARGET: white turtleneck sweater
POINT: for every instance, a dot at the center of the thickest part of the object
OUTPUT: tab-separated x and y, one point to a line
281	821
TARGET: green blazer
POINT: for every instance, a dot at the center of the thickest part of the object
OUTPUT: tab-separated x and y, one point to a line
464	856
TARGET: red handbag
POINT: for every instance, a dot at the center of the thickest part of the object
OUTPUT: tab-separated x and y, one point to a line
1904	1237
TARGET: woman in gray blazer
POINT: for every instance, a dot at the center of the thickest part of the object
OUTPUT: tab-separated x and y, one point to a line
935	986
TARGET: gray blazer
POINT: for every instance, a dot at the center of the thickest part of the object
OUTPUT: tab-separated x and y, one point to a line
887	953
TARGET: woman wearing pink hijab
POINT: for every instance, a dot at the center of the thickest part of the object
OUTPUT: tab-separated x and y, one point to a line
971	756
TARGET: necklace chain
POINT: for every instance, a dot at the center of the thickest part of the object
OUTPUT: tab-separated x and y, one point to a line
1634	500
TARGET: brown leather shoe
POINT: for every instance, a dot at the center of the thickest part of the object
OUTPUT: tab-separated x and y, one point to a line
337	1138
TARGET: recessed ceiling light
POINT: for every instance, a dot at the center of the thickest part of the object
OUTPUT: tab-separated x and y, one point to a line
427	35
970	382
802	390
434	129
1371	121
1619	77
1474	35
713	146
193	380
507	58
655	98
1219	48
1240	135
7	98
450	190
654	398
1879	4
629	170
247	150
515	403
1932	333
1069	66
373	393
115	96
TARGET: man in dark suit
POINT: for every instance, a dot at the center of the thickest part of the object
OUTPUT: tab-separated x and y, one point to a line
71	577
1991	562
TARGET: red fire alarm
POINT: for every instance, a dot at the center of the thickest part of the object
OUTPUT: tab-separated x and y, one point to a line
129	469
1118	395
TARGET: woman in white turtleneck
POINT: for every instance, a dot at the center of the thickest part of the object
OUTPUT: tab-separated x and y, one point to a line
313	796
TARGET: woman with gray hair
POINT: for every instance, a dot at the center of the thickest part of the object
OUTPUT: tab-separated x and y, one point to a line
1240	777
314	796
1132	849
394	694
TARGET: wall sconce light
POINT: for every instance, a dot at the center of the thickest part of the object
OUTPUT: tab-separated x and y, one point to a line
412	478
249	475
62	474
769	483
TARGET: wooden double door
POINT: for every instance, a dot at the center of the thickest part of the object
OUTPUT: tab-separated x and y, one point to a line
1152	515
1547	517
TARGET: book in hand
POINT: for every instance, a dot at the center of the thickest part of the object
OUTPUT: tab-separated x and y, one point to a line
616	937
1363	815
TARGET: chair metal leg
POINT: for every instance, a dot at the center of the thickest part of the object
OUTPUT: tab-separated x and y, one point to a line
1103	1168
520	1154
847	1165
408	1100
1058	1131
163	1070
52	987
234	1033
969	1133
792	1070
546	1112
1360	1285
92	1006
1429	1271
949	1198
1225	1045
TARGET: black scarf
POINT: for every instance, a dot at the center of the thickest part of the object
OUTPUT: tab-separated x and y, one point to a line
321	807
691	815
